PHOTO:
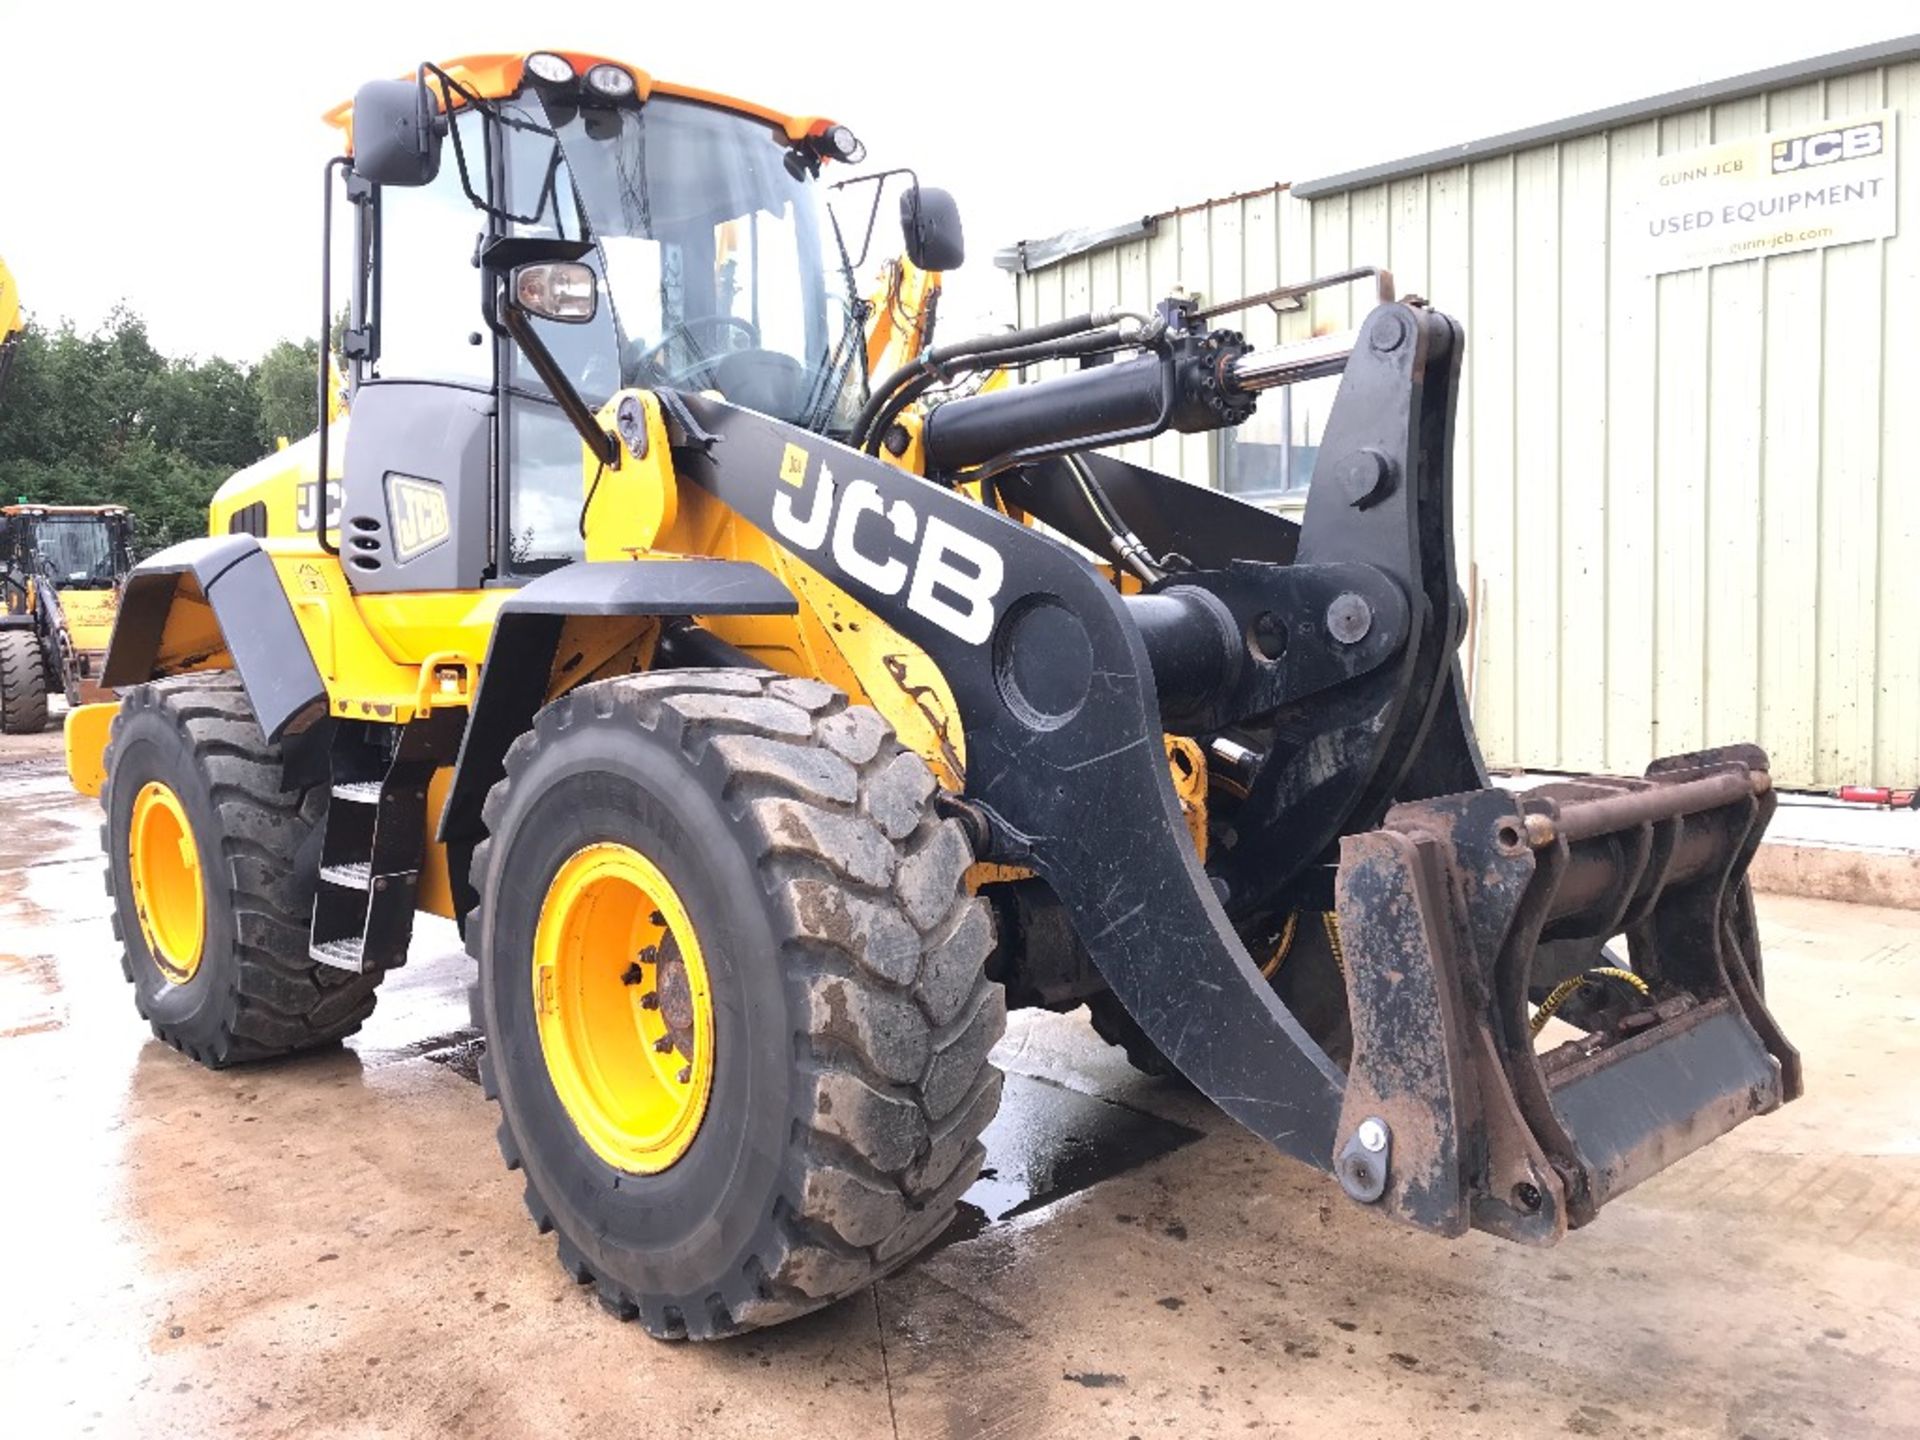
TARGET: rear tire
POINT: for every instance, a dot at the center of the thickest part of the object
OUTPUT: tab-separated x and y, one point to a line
254	992
1114	1024
23	683
844	958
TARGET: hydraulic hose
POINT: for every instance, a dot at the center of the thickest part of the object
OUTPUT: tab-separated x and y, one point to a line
870	440
1127	547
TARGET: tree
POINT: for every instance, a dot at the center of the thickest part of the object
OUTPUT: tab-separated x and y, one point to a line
105	418
284	382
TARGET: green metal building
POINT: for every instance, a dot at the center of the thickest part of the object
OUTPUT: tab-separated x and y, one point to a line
1689	448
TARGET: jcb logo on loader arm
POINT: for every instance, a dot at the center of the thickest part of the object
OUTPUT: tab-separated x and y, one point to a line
417	510
951	578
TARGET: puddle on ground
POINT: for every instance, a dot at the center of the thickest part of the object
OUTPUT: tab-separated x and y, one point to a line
458	1050
1047	1142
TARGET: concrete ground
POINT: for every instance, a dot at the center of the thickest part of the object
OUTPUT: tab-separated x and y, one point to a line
330	1247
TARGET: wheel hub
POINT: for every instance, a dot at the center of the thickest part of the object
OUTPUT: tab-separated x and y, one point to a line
169	897
622	1005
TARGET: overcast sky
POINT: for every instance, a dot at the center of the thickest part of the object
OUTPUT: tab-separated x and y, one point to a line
170	155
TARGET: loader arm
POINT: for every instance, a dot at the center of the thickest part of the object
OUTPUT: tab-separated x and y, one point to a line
1055	690
1339	659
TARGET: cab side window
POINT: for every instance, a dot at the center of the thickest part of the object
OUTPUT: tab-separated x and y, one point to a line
429	294
544	492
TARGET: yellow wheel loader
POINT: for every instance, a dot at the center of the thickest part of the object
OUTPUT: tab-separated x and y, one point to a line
769	730
61	571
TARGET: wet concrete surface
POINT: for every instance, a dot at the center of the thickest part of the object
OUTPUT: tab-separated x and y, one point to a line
329	1247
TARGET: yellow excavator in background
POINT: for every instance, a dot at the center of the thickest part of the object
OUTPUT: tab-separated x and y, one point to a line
61	571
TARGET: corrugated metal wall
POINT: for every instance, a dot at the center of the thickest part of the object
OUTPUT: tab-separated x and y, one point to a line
1692	501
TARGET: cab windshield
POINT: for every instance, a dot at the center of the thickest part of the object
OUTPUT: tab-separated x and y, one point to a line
719	268
76	550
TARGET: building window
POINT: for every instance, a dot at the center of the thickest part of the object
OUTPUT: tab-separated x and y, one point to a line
1271	456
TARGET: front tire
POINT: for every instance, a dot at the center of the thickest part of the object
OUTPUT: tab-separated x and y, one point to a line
23	683
794	848
212	863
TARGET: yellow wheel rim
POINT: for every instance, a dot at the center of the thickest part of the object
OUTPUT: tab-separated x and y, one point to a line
168	894
625	1015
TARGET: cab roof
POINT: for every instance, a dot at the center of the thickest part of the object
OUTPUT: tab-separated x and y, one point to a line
494	77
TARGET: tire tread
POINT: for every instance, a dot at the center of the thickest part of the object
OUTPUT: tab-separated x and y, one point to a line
279	1000
884	954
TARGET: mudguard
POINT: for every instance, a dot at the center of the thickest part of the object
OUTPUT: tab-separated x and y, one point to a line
526	635
162	629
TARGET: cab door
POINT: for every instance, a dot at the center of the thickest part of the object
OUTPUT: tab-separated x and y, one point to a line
418	473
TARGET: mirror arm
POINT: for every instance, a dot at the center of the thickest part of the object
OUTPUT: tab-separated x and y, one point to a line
604	444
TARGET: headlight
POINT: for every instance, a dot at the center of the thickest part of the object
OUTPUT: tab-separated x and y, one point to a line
843	145
610	81
549	68
562	291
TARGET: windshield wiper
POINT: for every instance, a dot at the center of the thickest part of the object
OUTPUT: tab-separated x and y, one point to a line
832	377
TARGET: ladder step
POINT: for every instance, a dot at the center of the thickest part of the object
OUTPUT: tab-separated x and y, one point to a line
355	875
360	792
344	954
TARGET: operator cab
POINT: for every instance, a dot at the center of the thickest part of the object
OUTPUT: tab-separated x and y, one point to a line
697	231
75	547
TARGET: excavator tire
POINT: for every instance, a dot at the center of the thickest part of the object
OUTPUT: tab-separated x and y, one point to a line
826	1122
212	865
23	683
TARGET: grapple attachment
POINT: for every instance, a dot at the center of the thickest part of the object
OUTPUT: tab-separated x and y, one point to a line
1462	914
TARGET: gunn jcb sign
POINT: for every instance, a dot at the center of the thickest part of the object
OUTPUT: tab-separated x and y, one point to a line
1828	183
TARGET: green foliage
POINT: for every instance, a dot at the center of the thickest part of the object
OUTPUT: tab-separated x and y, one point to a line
106	419
284	380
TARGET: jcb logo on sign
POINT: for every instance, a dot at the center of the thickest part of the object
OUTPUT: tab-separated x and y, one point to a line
1856	142
417	510
951	577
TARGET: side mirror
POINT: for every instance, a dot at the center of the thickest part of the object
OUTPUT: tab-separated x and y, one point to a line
930	225
396	133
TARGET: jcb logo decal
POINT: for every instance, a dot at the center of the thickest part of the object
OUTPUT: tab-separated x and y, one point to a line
304	495
793	466
1856	142
951	577
417	510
